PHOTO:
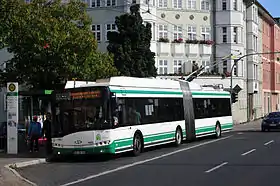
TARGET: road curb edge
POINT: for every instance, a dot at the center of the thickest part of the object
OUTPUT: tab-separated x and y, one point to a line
12	167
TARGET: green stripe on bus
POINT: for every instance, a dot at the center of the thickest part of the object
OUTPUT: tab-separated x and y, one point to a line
159	137
145	92
126	142
210	94
212	128
168	92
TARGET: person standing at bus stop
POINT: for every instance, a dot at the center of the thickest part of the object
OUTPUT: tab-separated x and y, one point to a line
47	131
34	133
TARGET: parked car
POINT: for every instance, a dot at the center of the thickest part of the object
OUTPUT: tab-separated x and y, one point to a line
271	121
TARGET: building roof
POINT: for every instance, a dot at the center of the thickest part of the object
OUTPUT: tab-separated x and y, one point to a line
265	13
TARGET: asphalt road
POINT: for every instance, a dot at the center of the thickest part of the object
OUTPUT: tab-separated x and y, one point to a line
237	159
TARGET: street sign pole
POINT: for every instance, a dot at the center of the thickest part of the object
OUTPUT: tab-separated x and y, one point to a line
12	118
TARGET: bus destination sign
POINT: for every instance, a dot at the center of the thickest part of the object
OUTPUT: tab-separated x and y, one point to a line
86	95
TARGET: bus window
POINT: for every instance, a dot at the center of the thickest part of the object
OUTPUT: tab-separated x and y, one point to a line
211	107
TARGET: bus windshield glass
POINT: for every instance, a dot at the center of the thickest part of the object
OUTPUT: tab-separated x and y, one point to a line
80	110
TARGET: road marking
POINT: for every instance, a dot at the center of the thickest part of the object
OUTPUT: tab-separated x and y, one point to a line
248	152
214	168
142	162
267	143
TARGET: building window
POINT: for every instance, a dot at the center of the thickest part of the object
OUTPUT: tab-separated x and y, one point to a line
255	75
255	14
235	5
224	34
205	63
235	34
255	41
177	3
110	28
205	32
95	3
224	4
177	65
162	66
162	3
191	4
225	66
178	32
96	29
110	2
191	32
278	81
205	5
162	31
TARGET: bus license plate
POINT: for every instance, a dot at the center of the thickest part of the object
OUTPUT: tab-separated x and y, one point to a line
79	152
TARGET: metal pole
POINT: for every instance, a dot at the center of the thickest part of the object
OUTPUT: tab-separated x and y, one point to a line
231	76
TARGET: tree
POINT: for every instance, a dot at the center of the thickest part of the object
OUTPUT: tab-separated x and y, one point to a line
8	10
52	43
131	45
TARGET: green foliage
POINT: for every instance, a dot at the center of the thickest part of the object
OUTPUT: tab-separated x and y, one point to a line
7	10
131	45
52	42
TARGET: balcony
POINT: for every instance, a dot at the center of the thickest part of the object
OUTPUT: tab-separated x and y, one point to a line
164	47
178	49
192	49
205	49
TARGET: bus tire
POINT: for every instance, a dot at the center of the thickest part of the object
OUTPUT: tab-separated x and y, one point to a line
137	144
178	137
218	130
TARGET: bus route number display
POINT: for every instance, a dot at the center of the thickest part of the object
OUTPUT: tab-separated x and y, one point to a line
86	95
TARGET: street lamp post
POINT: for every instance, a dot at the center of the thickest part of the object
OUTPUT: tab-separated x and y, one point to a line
235	63
238	59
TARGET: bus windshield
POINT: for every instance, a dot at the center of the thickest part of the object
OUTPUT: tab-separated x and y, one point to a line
80	110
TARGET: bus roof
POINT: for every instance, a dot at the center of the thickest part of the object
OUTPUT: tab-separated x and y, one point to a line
77	84
123	81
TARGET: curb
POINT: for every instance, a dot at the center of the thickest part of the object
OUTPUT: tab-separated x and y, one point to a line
27	163
12	167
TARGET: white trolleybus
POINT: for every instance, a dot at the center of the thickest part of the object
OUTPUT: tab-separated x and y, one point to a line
122	114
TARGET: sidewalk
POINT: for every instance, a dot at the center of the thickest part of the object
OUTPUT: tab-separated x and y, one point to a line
8	177
250	126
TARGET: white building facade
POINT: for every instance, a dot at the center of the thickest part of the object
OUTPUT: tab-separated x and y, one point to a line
232	24
237	29
178	27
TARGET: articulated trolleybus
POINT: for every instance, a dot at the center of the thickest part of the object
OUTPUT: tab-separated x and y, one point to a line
122	114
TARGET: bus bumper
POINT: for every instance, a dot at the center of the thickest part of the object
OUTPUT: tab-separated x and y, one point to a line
109	149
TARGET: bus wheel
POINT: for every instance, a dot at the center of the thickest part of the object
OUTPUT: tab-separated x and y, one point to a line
218	131
137	144
178	137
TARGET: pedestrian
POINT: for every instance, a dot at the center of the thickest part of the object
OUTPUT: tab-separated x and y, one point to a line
47	132
34	133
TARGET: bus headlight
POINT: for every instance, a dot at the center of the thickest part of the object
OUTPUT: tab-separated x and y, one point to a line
107	142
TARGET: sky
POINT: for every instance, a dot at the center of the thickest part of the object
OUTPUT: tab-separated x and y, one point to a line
272	6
